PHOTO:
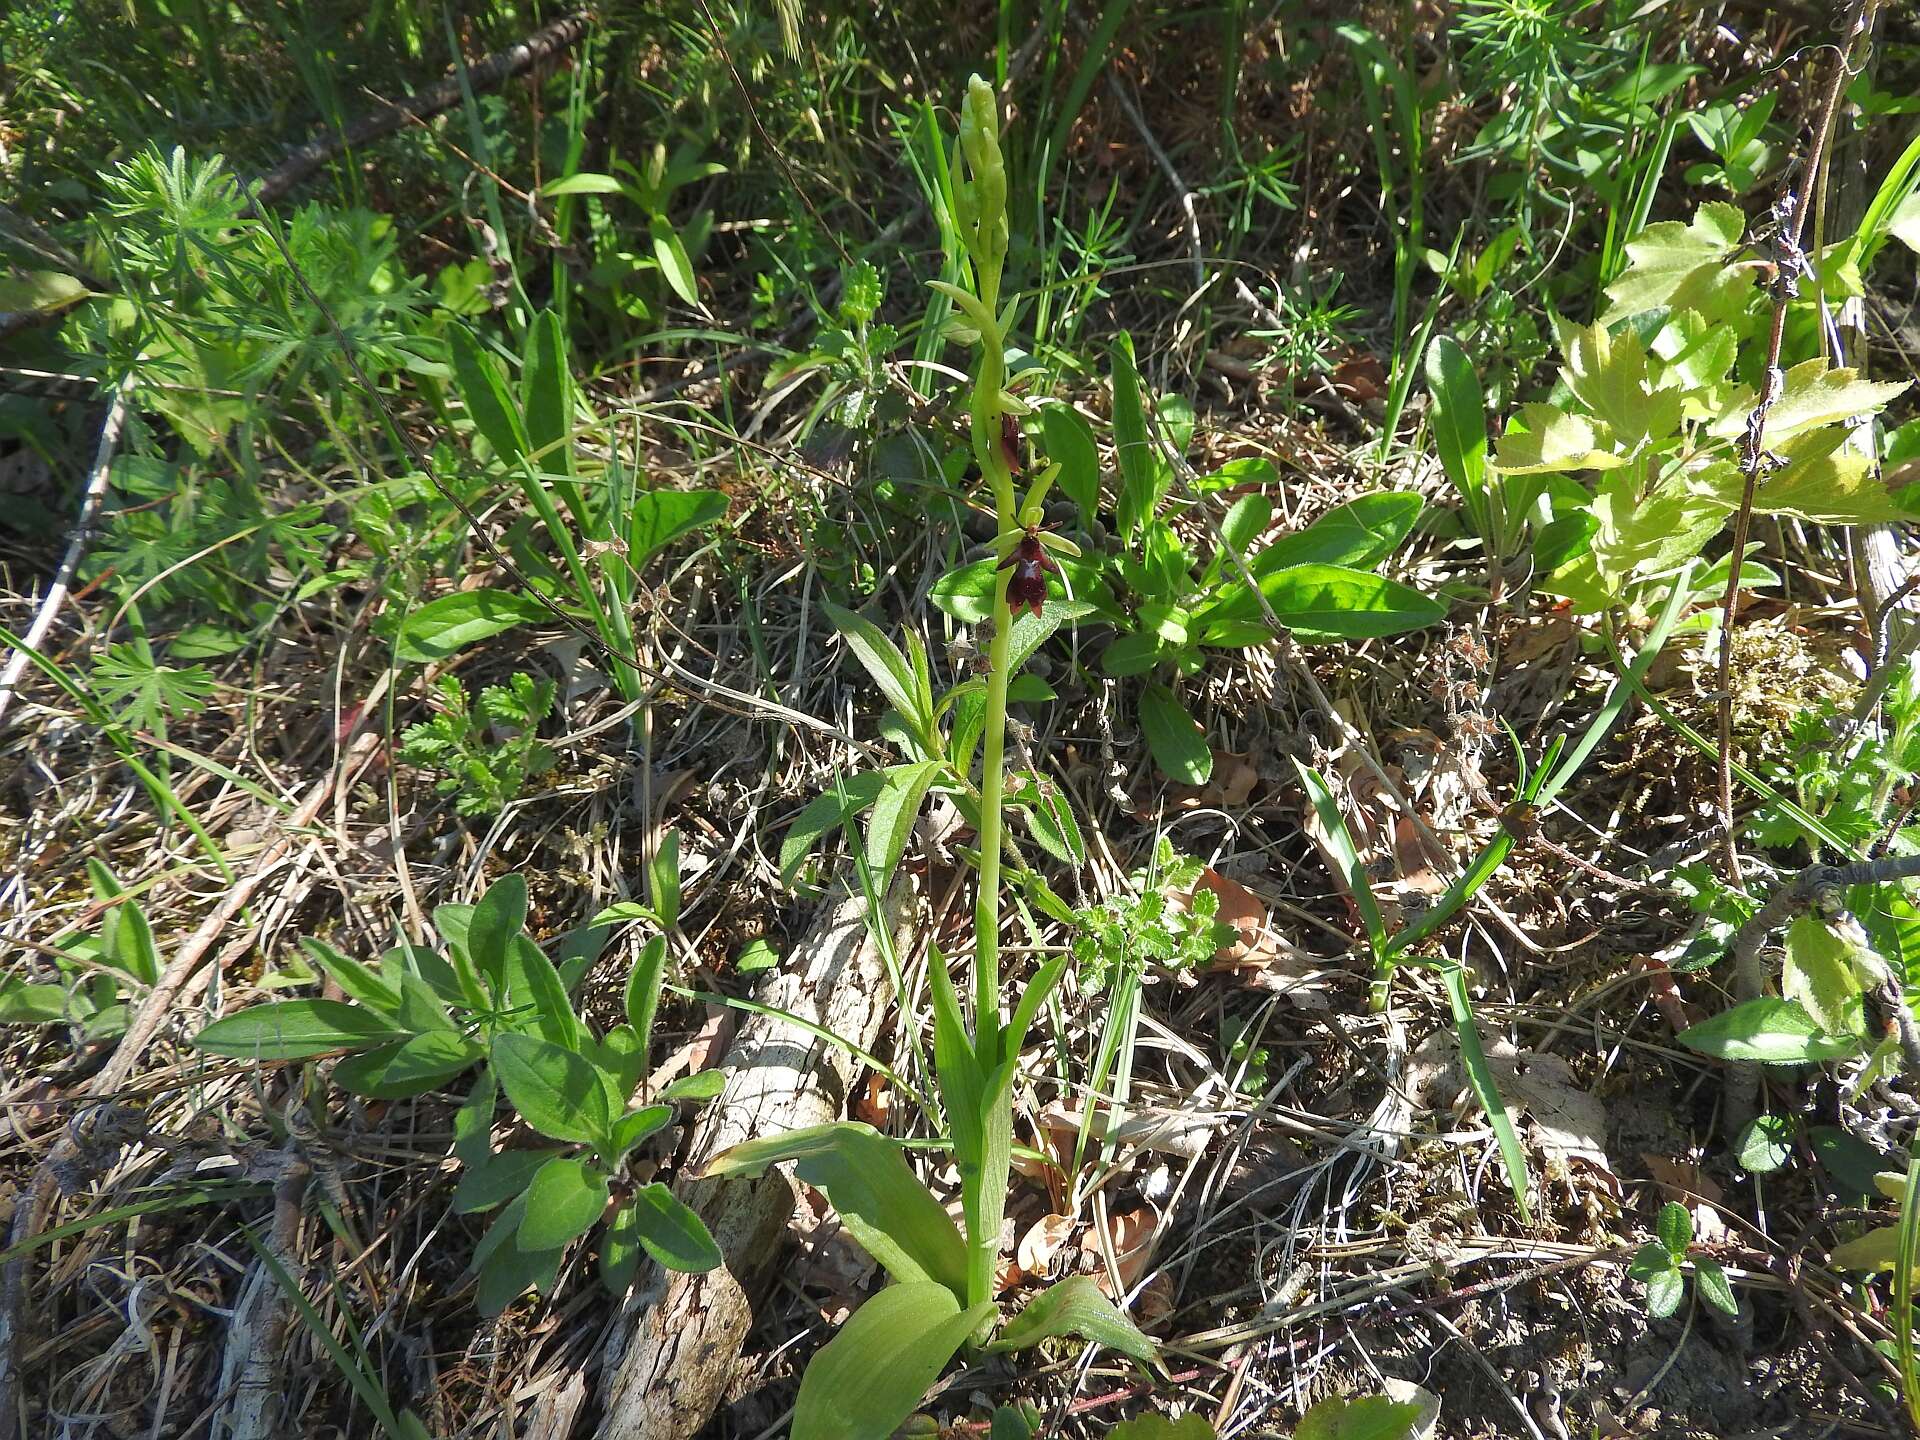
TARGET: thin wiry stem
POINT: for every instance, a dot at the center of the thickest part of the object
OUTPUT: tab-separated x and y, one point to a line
1789	263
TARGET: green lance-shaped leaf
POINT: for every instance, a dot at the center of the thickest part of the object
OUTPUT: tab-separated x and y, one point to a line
1770	1030
565	1200
1175	739
872	1374
556	1091
670	1232
894	813
880	1201
445	626
1074	1306
296	1030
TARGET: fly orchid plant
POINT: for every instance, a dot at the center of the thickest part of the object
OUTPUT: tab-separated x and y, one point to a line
874	1372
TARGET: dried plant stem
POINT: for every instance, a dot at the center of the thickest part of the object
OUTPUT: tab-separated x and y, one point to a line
33	1208
90	501
1743	1085
1789	262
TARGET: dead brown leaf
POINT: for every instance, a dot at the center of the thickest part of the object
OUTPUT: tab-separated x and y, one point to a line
1042	1242
1132	1233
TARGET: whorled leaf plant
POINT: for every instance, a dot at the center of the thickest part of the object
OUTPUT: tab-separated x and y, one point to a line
870	1376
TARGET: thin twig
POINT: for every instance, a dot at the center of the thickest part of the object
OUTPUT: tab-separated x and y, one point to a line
550	40
1790	263
90	502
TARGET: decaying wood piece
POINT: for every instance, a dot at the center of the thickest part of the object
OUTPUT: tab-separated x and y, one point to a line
251	1365
672	1351
543	45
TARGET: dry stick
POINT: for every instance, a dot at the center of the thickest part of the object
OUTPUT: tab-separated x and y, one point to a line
250	1366
542	45
670	1354
1789	263
32	1209
1743	1084
90	502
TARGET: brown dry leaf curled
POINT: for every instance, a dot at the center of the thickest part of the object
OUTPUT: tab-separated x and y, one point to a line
1042	1242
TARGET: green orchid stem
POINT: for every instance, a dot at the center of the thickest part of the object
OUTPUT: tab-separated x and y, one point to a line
983	1188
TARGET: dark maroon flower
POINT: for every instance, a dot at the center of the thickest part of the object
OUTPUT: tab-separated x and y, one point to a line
1010	443
1027	590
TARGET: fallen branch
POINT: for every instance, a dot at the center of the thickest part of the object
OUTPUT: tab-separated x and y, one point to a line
563	34
90	501
671	1354
1789	265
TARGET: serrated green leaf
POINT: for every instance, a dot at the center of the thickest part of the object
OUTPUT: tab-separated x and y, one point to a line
1682	266
1823	480
1812	396
1549	439
1819	973
1638	535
